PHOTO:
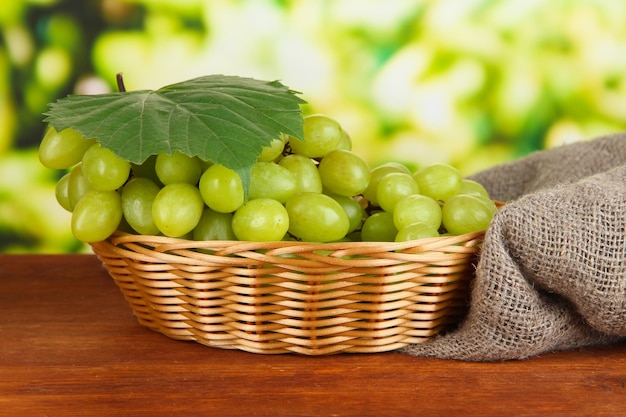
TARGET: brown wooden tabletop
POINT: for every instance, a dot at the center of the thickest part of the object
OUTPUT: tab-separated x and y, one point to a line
70	346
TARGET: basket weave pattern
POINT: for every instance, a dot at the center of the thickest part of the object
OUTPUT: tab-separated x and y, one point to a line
280	297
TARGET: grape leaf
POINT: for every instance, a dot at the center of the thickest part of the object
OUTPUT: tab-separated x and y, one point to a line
222	119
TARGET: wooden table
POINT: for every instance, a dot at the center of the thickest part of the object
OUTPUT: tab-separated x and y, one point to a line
70	346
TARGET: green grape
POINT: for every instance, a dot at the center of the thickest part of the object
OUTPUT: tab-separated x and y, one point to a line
305	171
491	205
261	220
77	185
124	226
375	176
103	169
137	198
62	150
416	231
352	237
205	164
344	173
465	213
61	192
393	187
379	227
353	210
417	208
438	181
395	167
270	180
272	151
177	209
177	167
345	142
321	136
147	170
473	188
214	225
317	217
221	189
97	215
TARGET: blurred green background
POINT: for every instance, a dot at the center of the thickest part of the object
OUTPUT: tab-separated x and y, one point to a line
473	83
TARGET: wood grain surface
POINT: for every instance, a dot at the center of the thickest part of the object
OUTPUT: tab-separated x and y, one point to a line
70	346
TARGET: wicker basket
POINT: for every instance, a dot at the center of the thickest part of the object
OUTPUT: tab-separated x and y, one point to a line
279	297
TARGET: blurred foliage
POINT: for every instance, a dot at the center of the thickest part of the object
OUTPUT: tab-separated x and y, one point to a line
473	83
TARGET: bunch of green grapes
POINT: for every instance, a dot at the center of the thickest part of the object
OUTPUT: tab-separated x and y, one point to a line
433	201
314	190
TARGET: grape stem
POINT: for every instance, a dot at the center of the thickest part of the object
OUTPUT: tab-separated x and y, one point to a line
120	82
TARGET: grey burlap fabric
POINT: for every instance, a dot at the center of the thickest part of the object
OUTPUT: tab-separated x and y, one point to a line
552	270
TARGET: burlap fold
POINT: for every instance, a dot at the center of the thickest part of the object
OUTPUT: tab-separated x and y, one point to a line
552	270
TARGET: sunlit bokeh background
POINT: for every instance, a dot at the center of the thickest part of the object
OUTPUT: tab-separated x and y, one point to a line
473	83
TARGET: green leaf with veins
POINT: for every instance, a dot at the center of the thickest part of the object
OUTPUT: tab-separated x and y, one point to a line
223	119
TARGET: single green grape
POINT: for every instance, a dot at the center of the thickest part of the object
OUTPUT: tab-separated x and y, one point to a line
375	176
464	213
273	181
205	164
491	205
393	187
214	225
322	135
345	142
315	217
379	227
177	209
395	167
221	189
103	169
124	226
61	192
77	185
416	231
177	167
352	237
272	151
137	199
417	208
305	171
64	149
344	173
353	210
97	215
261	220
473	188
438	181
147	170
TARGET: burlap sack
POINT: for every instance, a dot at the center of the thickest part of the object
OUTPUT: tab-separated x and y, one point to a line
552	270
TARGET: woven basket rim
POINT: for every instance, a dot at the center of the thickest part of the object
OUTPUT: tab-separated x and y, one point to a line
121	237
